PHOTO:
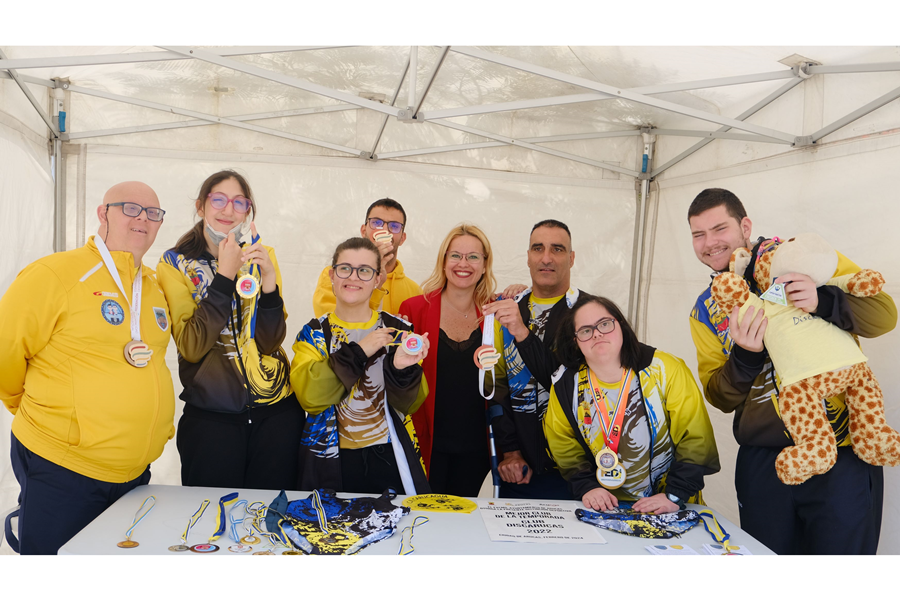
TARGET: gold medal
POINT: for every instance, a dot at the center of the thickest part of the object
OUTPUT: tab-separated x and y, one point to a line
138	353
612	479
128	544
607	459
247	286
413	344
290	552
267	552
249	540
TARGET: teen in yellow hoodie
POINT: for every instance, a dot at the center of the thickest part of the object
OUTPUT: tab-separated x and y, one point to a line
87	423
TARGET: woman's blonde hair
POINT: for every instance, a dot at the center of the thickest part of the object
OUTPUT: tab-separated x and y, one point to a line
438	279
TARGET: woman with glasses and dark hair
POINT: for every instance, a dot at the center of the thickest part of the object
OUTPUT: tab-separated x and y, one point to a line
359	387
241	421
626	422
451	425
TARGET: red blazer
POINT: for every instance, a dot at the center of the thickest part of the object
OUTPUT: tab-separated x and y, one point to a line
426	318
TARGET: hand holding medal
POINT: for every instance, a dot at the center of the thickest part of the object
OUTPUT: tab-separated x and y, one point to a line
413	348
256	255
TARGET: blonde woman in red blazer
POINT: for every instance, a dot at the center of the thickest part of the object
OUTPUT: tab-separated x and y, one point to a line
450	424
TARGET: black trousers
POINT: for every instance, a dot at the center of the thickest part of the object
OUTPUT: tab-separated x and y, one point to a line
838	512
458	474
370	470
258	449
57	503
549	486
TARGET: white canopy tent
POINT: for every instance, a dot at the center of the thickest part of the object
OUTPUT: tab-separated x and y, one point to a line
614	141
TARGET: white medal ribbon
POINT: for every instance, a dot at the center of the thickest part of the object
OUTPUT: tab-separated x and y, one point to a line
487	339
135	306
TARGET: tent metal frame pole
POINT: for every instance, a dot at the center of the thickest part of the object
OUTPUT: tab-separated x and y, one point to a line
201	123
744	115
597	96
214	119
54	129
294	82
535	140
550	151
138	57
624	94
860	68
384	118
856	114
59	198
28	79
745	137
413	70
434	71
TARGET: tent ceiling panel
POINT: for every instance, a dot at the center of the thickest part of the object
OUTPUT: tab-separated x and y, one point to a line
17	106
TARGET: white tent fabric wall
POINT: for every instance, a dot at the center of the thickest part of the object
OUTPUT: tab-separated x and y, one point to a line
313	197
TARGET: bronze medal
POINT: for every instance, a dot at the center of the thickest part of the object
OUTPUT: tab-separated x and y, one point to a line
128	544
204	548
138	353
268	552
179	548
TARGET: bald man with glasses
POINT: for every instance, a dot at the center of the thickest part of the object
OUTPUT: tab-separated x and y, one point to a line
83	338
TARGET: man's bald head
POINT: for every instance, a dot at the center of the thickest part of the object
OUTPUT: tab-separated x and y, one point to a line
124	233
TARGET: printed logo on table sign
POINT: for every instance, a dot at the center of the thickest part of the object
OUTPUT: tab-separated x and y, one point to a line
107	294
112	312
161	318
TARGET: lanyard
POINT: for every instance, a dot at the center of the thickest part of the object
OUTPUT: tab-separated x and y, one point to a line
612	426
225	501
236	519
194	518
717	533
320	511
412	530
135	305
137	519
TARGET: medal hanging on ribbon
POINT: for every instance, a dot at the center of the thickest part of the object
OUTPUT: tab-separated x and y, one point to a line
137	352
248	285
486	356
610	474
237	519
717	532
183	546
138	517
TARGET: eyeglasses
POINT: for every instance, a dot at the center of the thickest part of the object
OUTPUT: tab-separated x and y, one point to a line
344	271
220	201
473	258
392	226
132	209
604	326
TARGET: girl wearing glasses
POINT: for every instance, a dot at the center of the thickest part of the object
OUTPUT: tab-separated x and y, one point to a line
358	387
241	421
451	424
626	422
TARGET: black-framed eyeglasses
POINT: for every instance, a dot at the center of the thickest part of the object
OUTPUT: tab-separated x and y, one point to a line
345	270
132	209
392	226
605	325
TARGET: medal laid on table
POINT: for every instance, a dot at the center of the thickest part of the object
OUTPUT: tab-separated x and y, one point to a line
183	546
138	517
237	519
224	502
610	473
137	352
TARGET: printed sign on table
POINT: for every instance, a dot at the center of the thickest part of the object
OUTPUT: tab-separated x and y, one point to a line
543	522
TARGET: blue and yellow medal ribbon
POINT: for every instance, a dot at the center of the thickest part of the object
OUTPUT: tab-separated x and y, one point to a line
411	529
194	518
320	511
138	516
717	532
224	503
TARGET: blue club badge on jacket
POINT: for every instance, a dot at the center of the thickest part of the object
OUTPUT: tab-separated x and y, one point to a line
112	312
162	319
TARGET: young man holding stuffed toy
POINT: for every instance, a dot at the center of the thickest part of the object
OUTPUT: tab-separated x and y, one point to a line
838	512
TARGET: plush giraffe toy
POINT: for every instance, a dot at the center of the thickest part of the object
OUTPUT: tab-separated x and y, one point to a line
814	359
